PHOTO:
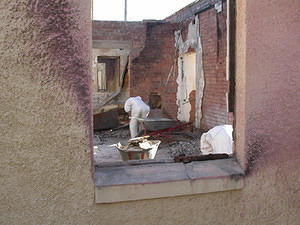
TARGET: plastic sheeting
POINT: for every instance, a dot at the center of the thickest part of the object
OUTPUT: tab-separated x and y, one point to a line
138	109
217	140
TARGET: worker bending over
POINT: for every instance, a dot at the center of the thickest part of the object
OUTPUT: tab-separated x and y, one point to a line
138	109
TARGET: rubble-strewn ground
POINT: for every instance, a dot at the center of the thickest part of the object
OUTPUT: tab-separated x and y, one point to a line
182	142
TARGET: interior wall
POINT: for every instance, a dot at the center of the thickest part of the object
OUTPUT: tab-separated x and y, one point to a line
115	39
213	31
211	103
149	72
189	102
46	127
186	81
113	83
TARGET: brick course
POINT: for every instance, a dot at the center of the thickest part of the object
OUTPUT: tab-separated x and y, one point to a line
214	46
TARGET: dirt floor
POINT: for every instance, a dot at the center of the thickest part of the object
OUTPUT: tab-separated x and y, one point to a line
182	142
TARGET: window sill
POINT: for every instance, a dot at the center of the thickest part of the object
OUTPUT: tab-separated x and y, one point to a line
157	180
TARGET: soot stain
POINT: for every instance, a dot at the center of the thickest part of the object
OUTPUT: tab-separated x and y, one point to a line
256	147
59	52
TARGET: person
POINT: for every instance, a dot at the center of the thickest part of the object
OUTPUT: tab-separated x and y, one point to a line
137	109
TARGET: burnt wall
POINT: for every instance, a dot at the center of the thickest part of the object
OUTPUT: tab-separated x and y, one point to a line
149	72
133	32
191	10
213	34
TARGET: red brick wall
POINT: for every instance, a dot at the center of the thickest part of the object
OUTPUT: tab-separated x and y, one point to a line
121	31
214	45
149	72
214	66
190	10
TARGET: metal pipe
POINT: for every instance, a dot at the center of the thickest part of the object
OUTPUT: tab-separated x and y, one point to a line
125	13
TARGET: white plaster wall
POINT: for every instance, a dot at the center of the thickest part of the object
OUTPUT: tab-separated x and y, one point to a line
193	41
186	81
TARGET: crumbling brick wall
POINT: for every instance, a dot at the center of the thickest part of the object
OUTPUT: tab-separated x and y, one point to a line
213	35
150	71
116	39
134	32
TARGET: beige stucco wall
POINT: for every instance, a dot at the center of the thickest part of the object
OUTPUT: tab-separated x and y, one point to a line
45	122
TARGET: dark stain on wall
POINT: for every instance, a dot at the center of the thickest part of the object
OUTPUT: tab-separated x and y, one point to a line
256	145
55	25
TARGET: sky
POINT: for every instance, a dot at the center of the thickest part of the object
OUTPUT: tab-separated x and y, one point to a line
137	10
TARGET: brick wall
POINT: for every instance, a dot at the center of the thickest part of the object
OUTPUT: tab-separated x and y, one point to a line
149	72
213	36
134	32
214	44
190	10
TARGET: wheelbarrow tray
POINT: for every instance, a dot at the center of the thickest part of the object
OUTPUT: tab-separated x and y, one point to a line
145	150
155	124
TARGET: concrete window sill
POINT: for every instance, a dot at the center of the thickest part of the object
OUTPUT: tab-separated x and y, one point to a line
128	182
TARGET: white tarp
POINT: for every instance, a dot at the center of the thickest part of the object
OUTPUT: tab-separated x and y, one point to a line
138	109
217	140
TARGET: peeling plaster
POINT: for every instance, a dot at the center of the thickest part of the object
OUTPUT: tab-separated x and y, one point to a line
185	84
186	76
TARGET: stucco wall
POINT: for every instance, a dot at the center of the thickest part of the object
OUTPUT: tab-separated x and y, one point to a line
45	166
45	122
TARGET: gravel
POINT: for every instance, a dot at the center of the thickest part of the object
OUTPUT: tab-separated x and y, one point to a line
181	143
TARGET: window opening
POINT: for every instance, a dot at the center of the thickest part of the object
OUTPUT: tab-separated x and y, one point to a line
169	87
101	72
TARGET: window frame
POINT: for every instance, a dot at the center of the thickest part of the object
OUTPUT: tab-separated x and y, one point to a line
178	178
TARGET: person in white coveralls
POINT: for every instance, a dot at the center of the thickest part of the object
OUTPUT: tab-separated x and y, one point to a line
138	109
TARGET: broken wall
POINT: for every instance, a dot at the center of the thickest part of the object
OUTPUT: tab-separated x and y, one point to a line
212	110
214	41
118	40
195	92
153	72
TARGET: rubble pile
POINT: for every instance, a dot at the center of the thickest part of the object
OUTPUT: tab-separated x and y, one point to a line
188	147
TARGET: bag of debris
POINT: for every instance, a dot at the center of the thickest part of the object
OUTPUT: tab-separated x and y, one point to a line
217	140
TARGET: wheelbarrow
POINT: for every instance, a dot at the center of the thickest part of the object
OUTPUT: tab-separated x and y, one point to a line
138	150
161	126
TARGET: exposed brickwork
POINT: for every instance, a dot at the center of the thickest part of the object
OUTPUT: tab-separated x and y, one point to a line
213	36
149	72
134	32
190	10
